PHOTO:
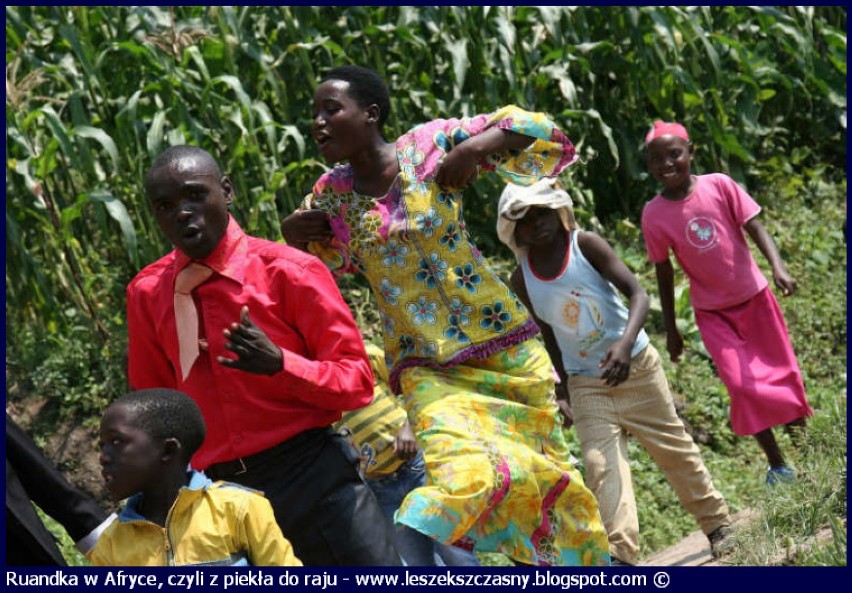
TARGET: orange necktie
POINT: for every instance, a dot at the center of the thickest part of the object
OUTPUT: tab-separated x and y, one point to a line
186	316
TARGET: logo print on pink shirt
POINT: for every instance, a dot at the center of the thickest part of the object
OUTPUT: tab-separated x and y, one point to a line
701	233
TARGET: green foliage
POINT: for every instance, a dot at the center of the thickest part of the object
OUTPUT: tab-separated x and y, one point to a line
66	545
95	92
69	369
791	514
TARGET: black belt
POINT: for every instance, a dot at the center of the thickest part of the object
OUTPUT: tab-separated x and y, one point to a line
226	470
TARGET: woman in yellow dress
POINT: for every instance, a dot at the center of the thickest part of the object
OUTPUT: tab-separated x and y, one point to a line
459	345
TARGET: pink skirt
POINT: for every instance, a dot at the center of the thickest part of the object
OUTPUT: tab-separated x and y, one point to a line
755	360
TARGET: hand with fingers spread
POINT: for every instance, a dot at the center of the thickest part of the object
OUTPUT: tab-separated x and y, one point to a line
615	366
255	352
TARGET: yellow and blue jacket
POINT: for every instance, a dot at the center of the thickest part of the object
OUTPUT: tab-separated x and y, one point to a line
209	524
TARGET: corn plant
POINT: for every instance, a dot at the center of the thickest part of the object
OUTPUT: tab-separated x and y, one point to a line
93	93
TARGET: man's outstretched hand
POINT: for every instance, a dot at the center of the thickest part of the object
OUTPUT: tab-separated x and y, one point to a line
254	350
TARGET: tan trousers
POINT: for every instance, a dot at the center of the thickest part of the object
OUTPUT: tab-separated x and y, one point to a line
643	407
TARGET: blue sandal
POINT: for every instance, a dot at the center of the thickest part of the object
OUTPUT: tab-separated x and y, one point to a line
781	474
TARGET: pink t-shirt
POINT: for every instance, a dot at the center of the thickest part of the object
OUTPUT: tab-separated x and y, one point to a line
704	231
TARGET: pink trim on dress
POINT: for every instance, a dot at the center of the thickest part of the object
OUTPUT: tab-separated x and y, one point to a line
522	333
545	529
498	495
465	542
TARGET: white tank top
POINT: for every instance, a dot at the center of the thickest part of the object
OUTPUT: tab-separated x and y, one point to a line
586	312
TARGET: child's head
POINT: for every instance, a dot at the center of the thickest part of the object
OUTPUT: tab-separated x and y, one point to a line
544	205
190	199
145	434
350	109
669	153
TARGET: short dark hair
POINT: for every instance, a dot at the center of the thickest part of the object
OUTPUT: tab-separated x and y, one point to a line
173	154
165	414
366	87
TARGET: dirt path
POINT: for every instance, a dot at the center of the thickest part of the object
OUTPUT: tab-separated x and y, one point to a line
694	550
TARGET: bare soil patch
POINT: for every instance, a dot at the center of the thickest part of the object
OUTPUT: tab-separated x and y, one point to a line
69	444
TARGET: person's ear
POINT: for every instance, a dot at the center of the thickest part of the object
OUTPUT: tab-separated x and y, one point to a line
171	449
373	113
227	189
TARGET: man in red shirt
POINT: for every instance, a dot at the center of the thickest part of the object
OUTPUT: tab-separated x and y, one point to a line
259	336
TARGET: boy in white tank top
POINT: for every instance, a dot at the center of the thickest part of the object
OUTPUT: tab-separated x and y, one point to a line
611	377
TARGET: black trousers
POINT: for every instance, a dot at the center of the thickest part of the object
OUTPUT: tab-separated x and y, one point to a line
321	502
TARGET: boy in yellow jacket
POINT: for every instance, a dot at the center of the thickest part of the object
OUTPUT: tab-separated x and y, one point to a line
176	516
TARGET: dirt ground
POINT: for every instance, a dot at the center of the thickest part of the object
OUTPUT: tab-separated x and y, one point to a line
71	446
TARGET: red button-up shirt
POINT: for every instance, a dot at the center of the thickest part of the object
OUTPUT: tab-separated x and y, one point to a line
293	298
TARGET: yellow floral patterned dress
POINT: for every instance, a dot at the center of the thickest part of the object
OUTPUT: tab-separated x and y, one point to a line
478	389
